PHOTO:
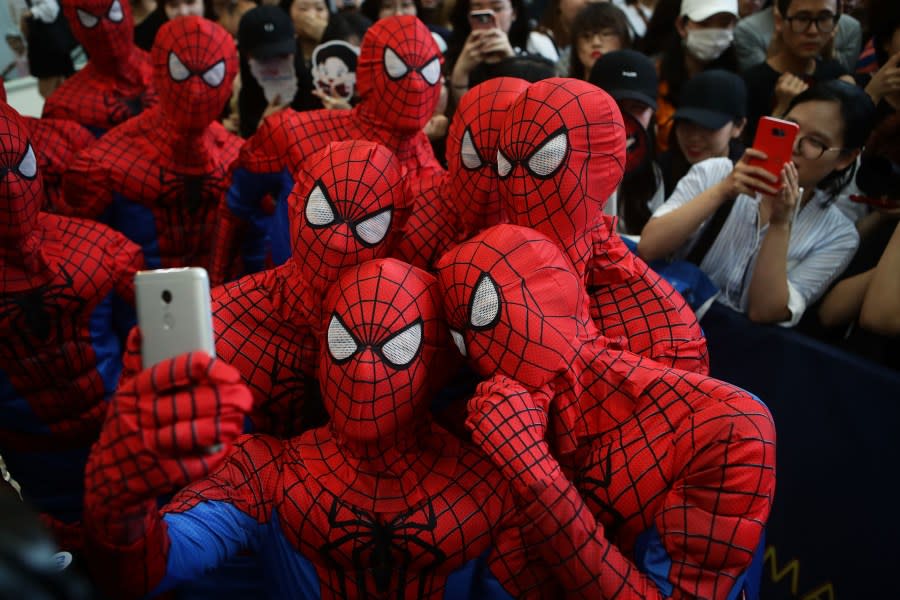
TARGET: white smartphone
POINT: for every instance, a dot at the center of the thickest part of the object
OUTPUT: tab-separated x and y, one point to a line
173	310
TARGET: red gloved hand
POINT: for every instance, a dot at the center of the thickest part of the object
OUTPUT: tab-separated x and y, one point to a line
509	423
167	426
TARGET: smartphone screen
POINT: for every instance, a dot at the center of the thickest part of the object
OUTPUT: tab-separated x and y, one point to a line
173	308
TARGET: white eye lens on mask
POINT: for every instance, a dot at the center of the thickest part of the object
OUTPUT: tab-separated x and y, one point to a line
707	45
276	76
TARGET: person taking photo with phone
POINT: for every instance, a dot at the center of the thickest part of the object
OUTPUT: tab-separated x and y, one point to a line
771	248
484	39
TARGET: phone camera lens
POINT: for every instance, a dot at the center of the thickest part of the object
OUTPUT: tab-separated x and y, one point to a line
166	296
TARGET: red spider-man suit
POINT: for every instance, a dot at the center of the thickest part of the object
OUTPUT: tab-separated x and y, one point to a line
464	200
672	473
66	301
561	154
55	143
116	84
380	503
398	76
342	211
159	177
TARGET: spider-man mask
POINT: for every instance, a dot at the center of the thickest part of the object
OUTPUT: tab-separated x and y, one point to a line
561	155
194	64
472	144
104	27
398	72
513	303
384	330
343	205
20	182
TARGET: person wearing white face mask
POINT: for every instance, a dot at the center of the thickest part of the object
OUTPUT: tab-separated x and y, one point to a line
704	40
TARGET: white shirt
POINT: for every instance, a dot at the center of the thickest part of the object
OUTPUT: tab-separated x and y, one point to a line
541	45
821	245
638	16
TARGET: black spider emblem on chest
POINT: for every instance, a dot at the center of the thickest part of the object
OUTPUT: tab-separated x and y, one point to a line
383	548
37	315
192	192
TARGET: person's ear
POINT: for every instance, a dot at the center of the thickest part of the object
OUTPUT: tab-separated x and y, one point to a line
738	128
778	19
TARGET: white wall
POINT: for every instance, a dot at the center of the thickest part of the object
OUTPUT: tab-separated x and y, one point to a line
22	94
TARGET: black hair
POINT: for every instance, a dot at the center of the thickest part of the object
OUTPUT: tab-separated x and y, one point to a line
661	27
597	16
858	115
529	67
883	21
371	8
784	5
346	26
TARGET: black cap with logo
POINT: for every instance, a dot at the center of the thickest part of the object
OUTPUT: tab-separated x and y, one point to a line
266	32
626	74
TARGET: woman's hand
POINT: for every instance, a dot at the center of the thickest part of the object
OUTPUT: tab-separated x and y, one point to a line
495	46
785	204
748	179
886	81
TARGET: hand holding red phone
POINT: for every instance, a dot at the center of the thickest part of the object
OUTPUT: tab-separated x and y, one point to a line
748	179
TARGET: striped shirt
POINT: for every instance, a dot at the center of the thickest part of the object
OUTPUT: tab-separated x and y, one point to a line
821	245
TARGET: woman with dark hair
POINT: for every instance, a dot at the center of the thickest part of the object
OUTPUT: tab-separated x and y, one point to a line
709	123
504	35
772	244
599	28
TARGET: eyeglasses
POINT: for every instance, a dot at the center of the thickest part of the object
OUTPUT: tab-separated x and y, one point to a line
801	22
812	149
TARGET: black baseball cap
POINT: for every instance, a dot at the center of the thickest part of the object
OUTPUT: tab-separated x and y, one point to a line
712	99
266	32
626	74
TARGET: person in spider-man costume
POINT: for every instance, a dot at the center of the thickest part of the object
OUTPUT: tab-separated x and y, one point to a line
398	79
641	481
381	502
116	83
561	155
159	177
463	200
55	144
342	211
66	302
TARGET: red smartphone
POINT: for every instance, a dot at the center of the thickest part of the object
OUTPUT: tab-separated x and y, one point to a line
776	138
482	19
